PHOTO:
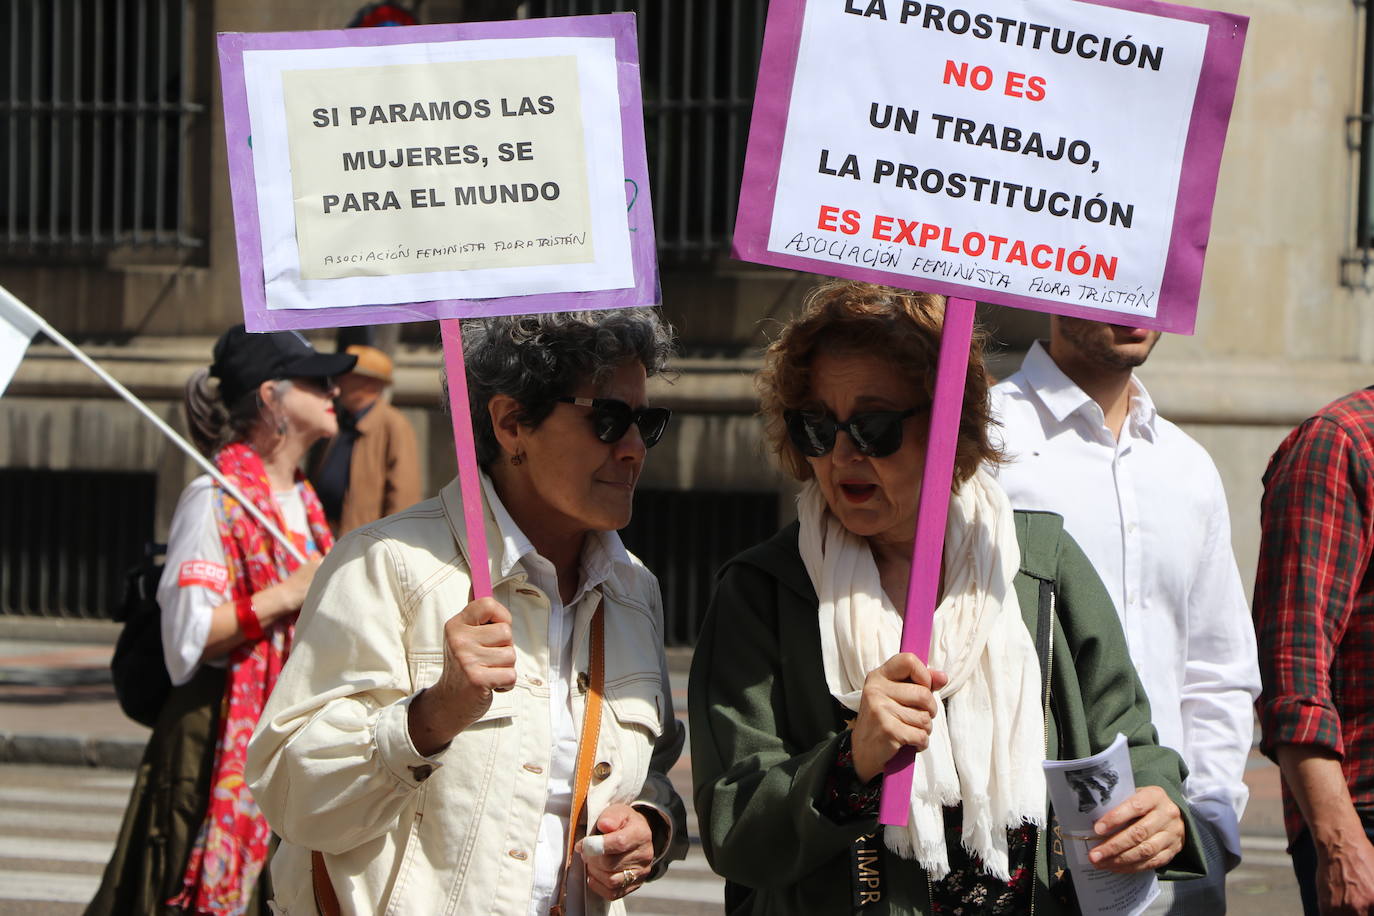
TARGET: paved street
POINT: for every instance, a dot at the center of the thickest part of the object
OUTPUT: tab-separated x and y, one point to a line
57	826
1263	885
58	823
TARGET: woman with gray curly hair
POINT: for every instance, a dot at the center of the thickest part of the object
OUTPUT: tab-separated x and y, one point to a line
428	752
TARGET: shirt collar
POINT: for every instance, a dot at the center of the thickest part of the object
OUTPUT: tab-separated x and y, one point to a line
601	554
1143	413
1056	390
1062	397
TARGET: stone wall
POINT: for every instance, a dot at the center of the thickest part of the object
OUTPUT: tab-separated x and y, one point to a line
1282	329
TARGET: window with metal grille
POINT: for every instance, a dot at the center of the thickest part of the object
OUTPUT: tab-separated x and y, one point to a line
699	60
67	537
101	126
686	537
1357	264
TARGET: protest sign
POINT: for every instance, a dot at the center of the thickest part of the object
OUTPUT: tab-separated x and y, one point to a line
439	172
403	174
1061	156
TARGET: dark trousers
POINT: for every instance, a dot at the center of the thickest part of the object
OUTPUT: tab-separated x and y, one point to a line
1305	864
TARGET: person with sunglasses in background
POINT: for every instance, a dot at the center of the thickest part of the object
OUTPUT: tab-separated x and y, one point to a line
192	840
371	469
799	696
426	752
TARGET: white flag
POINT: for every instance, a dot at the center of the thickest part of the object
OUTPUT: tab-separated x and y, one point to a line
18	324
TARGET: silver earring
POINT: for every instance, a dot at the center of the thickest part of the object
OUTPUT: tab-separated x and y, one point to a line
517	459
281	426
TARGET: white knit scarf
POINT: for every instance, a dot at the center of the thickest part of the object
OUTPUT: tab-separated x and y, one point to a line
987	744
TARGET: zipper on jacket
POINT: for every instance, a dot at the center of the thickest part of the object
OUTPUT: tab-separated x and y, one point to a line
1045	724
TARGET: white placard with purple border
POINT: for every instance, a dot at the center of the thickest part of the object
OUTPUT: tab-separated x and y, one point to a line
1054	155
444	171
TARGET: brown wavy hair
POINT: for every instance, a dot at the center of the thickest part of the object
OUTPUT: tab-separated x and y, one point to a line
897	326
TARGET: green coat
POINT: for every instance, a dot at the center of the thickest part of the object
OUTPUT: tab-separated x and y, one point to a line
764	727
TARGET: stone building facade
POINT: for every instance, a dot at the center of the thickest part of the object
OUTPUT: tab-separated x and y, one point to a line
1285	325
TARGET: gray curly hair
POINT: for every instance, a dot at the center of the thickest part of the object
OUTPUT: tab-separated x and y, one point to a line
536	359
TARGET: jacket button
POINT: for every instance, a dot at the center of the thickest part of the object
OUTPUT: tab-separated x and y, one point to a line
518	854
422	772
583	682
534	768
601	770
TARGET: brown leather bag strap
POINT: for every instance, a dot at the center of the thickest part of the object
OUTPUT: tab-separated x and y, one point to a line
326	901
586	749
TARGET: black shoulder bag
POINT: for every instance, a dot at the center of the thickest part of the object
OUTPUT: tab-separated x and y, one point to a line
138	670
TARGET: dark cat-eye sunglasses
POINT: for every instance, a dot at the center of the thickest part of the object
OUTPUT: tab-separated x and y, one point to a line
876	433
611	419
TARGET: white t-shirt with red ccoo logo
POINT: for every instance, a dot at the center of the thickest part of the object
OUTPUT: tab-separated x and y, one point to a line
195	580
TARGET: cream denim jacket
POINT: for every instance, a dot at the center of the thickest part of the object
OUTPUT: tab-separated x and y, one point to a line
333	768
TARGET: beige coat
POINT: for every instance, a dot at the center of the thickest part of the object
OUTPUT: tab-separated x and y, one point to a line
332	764
384	470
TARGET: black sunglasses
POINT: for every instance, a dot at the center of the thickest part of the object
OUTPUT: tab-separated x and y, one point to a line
320	383
611	419
876	434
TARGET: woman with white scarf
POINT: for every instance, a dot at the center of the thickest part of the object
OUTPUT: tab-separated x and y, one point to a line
799	696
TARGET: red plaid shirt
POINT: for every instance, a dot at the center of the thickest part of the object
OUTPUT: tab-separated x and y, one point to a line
1314	595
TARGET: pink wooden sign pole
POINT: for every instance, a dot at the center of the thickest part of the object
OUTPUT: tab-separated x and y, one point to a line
469	480
924	584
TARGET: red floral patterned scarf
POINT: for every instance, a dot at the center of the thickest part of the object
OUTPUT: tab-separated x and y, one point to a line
231	848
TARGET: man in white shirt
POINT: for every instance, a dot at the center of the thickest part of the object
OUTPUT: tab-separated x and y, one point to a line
1144	500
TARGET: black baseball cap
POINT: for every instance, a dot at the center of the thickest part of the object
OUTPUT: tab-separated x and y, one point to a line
243	361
